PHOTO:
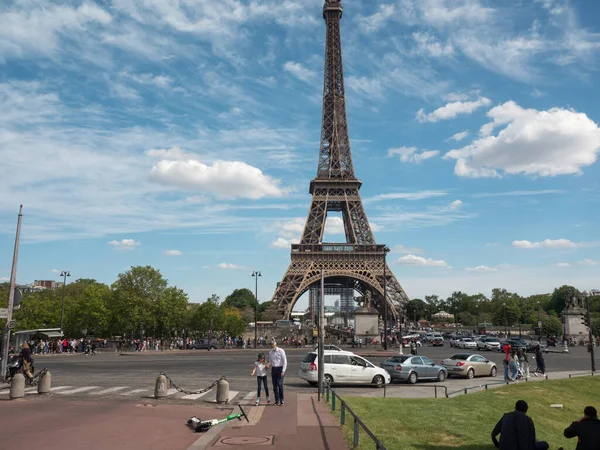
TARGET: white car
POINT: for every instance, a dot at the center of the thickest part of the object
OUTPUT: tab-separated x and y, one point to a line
344	368
467	343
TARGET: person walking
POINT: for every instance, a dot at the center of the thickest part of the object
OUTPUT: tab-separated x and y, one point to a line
517	431
523	362
506	362
539	358
586	429
514	365
260	369
278	363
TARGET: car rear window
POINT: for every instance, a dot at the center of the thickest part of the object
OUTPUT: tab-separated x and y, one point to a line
310	358
398	359
460	357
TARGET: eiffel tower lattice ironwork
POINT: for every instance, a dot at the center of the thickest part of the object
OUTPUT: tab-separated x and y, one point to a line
359	260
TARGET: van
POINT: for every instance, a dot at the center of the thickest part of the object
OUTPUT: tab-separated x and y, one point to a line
342	367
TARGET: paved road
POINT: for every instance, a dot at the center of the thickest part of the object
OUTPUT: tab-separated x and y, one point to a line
132	377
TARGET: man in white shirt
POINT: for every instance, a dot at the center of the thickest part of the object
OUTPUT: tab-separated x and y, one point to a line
278	363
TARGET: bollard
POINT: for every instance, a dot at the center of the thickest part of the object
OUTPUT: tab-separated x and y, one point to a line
161	387
222	391
17	386
565	347
45	383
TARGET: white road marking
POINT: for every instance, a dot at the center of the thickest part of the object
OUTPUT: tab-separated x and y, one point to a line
250	396
60	388
172	391
232	395
135	391
78	390
110	391
194	396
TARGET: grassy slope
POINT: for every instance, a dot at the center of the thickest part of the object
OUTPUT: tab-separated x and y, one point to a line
466	421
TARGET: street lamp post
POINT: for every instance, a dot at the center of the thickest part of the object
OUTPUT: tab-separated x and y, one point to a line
64	274
505	321
587	295
256	274
539	323
385	302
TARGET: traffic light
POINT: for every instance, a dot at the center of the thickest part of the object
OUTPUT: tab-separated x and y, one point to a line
585	320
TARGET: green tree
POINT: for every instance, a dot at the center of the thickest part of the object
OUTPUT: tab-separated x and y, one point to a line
416	308
86	308
269	311
240	299
552	326
207	318
596	327
39	310
232	324
466	318
171	311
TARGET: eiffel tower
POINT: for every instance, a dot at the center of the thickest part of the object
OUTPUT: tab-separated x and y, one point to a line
359	263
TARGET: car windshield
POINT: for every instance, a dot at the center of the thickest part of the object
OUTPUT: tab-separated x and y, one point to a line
310	358
460	357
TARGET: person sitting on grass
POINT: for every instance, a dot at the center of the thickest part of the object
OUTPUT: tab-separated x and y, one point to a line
517	431
587	429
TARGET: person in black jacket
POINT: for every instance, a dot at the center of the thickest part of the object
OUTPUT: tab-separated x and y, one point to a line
517	431
587	429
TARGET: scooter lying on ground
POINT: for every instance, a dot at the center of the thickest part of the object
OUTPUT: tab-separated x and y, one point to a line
205	425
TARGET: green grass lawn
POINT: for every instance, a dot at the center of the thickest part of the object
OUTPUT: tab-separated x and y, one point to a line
466	421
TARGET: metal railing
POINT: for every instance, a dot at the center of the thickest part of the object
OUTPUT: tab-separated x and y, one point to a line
435	387
466	390
586	374
357	423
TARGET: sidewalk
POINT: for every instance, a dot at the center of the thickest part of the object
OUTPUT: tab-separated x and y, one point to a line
302	423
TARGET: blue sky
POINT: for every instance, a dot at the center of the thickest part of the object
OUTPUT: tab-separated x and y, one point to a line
184	134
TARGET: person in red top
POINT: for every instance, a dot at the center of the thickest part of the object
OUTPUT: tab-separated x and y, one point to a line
506	348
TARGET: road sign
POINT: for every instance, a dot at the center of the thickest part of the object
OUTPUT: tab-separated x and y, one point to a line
11	324
3	313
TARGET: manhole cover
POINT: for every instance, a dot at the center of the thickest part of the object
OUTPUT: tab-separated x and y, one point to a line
244	440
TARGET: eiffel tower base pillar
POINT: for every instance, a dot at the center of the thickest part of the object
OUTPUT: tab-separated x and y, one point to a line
366	324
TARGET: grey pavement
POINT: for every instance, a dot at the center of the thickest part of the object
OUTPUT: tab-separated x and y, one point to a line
132	377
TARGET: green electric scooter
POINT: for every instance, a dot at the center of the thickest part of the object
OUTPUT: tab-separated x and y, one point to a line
205	425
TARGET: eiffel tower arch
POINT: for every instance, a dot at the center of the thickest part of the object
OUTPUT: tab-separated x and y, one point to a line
359	261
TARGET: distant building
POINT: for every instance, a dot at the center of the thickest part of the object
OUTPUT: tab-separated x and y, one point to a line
48	284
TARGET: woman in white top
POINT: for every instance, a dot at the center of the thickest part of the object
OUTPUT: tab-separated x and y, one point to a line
260	369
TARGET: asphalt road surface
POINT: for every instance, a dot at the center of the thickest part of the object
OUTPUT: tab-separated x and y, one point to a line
133	376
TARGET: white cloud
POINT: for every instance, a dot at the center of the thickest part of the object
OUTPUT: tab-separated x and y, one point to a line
419	261
492	244
406	250
283	243
456	204
289	232
417	195
224	179
546	243
124	244
459	136
334	225
227	266
369	87
431	46
4	279
453	109
540	143
375	21
299	71
172	252
587	262
562	265
410	154
148	79
482	269
517	193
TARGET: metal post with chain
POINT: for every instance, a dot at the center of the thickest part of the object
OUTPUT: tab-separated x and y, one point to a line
200	391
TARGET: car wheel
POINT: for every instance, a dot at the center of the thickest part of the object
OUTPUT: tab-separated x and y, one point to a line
493	372
441	376
378	380
328	379
470	374
412	378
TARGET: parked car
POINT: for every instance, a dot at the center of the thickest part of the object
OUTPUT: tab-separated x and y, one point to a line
467	343
437	341
413	368
514	343
488	343
469	365
328	347
344	368
454	341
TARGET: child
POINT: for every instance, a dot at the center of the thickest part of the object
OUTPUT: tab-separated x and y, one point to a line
260	369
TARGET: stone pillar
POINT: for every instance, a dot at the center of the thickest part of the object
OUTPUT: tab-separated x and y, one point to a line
222	391
17	386
45	383
161	387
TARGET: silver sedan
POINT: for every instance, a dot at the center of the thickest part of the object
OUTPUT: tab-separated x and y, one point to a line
413	368
469	365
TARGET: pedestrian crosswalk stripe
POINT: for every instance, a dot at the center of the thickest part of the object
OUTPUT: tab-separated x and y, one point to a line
135	391
60	388
194	396
172	391
110	390
78	390
250	396
232	395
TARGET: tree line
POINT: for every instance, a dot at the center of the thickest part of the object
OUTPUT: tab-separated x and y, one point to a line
504	308
139	303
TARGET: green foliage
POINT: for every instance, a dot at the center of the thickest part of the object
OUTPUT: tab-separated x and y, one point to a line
269	311
416	308
241	299
596	327
552	326
467	319
561	295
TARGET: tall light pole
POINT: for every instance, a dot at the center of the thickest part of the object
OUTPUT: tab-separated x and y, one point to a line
539	323
505	321
64	274
256	274
385	302
321	362
588	321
